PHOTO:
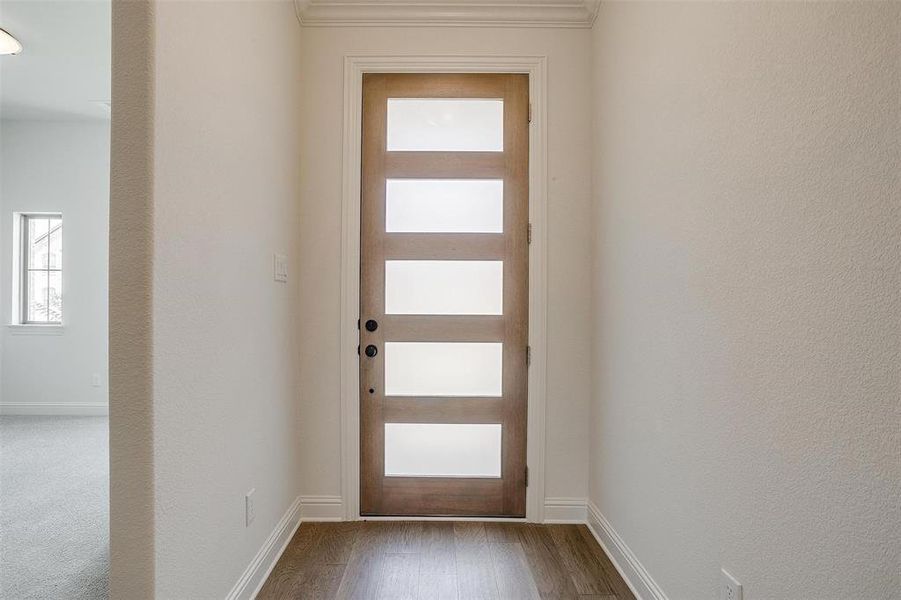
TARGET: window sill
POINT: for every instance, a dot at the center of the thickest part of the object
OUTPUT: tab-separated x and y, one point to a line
17	329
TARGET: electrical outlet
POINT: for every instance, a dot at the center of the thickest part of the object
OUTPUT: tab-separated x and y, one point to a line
730	588
95	380
249	513
280	267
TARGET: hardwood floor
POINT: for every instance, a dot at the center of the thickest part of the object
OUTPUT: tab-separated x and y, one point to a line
431	560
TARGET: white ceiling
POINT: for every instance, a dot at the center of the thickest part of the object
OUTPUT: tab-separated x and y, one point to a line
64	70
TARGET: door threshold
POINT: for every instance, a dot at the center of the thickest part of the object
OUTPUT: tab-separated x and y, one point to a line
421	518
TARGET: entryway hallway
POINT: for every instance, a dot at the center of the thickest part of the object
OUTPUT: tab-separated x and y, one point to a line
390	560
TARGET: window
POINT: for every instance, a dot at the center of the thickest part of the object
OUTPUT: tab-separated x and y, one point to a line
41	269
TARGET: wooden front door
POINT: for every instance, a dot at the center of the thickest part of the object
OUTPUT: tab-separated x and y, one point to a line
444	294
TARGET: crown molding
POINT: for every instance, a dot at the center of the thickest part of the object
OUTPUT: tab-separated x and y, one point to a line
447	13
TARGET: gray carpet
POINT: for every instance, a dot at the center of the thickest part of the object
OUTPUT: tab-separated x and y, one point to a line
54	508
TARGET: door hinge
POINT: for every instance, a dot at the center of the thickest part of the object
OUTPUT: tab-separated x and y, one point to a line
529	234
528	356
530	112
527	476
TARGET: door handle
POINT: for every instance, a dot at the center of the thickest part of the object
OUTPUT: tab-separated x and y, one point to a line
372	325
371	351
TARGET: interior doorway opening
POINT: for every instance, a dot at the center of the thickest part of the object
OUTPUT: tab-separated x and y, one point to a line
55	108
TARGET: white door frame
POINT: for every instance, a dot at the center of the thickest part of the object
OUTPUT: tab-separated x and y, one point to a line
354	67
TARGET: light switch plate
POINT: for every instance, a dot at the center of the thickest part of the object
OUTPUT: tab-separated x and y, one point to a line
249	512
280	267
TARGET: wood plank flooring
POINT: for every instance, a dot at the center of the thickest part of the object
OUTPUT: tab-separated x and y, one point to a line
432	560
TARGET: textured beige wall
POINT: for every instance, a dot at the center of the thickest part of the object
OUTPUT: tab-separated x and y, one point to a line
569	241
131	303
746	408
226	197
204	345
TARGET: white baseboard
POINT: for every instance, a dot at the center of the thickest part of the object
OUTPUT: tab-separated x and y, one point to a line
254	576
47	409
331	508
565	510
633	572
321	508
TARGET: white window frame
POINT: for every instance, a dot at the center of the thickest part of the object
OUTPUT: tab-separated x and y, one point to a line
20	322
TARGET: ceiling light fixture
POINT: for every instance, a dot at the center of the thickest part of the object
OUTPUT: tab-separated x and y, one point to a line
9	44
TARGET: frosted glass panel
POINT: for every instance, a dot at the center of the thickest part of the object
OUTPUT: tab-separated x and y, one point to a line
444	205
445	124
443	368
442	450
444	287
